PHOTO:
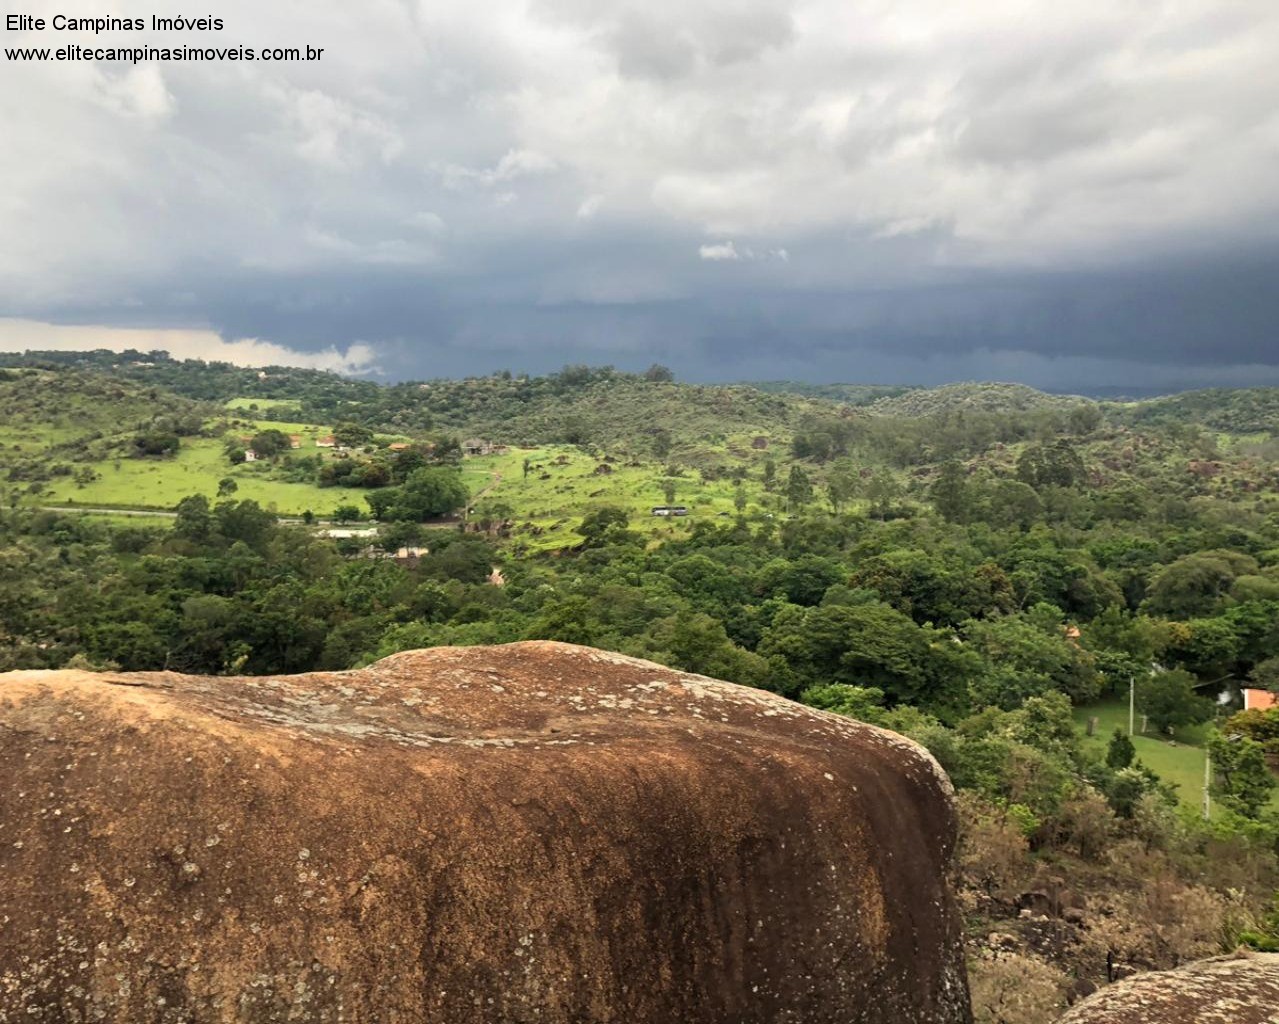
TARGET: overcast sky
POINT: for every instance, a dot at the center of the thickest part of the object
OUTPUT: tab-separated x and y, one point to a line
1070	194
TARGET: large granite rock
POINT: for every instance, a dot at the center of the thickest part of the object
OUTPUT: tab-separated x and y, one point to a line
1223	990
534	832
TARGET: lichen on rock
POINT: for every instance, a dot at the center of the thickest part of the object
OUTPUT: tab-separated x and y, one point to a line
531	832
1240	989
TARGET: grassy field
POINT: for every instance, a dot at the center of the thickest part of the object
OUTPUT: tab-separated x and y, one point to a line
564	483
1180	763
196	469
97	421
247	404
546	504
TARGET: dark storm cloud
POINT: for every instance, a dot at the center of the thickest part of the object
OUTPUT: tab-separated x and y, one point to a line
913	190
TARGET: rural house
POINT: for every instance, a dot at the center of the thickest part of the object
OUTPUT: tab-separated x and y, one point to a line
1259	700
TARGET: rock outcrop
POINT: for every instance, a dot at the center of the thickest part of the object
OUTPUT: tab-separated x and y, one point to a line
1222	990
533	832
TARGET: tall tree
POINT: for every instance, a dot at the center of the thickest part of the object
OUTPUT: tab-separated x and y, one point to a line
799	489
841	486
268	444
950	493
1243	779
1169	701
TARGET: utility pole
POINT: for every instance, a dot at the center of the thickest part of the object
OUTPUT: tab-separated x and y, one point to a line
1132	701
1207	784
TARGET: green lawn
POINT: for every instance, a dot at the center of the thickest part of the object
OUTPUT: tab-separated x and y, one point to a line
1180	762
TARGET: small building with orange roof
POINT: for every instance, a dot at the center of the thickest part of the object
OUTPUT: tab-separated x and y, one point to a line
1259	700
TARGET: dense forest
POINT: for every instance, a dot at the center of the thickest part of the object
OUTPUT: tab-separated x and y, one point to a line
973	566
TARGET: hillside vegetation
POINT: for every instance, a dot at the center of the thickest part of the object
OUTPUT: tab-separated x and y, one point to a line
1231	410
982	568
975	397
846	394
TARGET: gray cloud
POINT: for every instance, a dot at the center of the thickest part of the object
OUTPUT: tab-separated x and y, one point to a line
807	188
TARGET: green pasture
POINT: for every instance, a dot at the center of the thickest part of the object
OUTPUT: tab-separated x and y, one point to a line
248	426
247	404
564	483
28	438
201	462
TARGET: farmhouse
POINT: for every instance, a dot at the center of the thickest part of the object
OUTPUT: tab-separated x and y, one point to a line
327	441
295	440
477	446
670	510
250	455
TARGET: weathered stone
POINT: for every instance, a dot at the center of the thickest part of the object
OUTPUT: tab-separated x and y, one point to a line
1080	988
1038	903
1223	990
534	832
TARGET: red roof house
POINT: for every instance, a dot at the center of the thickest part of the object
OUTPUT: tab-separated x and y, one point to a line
1259	700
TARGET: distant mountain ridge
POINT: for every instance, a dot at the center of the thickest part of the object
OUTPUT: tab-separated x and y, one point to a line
974	395
849	394
605	404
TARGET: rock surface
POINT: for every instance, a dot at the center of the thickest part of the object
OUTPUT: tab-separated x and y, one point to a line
1222	990
533	832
